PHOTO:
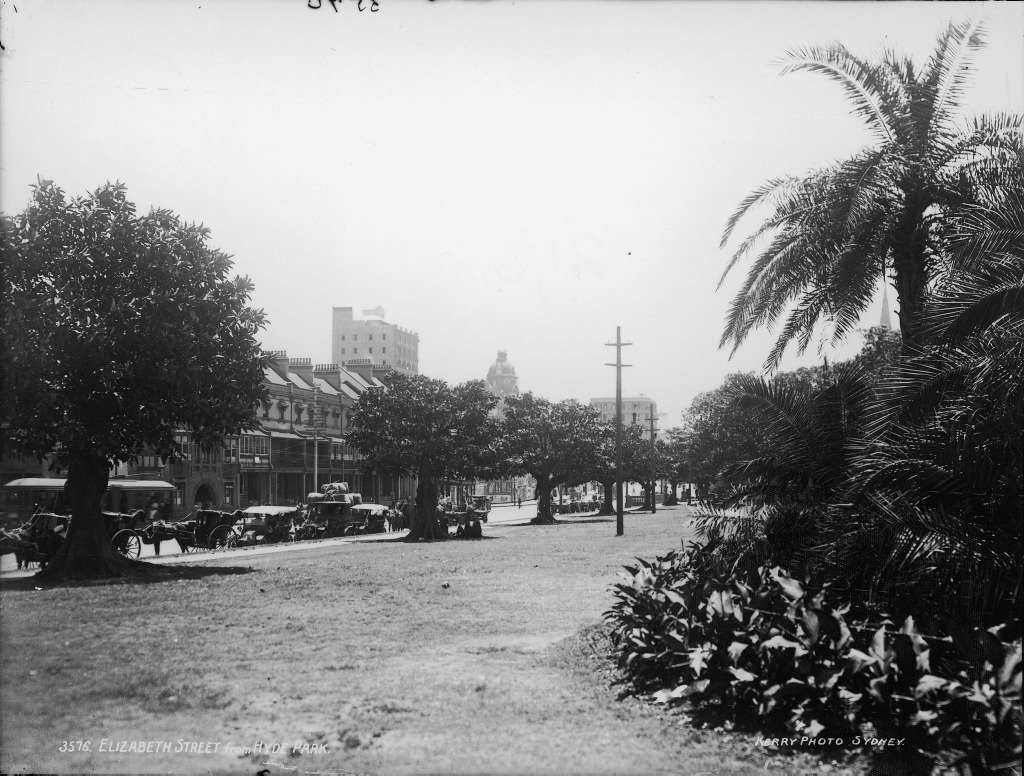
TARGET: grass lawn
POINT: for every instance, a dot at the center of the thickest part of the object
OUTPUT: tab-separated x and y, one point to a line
374	656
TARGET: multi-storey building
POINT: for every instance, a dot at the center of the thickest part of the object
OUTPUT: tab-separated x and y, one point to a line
300	433
373	340
297	445
636	410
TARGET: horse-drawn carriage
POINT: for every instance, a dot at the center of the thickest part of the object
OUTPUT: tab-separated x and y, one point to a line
37	540
262	525
367	519
40	536
204	529
329	513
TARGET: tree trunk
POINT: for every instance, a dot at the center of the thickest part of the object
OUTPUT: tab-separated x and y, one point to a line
910	273
544	486
648	489
86	552
671	500
609	497
426	523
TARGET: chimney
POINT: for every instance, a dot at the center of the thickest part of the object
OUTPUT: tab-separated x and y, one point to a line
303	367
329	373
278	361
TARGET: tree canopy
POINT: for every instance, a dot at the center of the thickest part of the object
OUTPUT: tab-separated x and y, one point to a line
831	236
717	434
555	443
120	329
424	426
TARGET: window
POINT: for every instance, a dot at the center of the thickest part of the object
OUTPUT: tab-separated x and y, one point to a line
229	492
185	448
384	336
253	449
337	451
149	461
371	349
355	338
231	451
343	351
179	494
384	350
371	338
355	351
342	337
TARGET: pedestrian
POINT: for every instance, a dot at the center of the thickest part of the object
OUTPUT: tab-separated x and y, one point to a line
519	503
154	515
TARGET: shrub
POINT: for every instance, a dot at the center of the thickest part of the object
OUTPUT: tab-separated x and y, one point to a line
765	649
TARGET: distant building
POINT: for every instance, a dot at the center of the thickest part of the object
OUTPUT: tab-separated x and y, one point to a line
502	381
636	410
373	342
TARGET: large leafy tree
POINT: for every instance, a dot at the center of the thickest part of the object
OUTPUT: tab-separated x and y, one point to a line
651	460
673	447
632	443
829	237
120	329
717	434
555	443
426	427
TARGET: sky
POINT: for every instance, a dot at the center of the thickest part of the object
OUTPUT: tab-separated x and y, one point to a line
518	176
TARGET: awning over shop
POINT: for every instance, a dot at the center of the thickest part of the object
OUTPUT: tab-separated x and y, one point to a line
285	435
139	485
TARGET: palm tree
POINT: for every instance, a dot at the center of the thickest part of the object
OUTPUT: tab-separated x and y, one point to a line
829	236
941	470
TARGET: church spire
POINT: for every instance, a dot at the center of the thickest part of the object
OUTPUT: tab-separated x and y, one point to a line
886	322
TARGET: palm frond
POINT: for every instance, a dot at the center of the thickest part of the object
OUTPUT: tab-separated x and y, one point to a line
872	89
947	72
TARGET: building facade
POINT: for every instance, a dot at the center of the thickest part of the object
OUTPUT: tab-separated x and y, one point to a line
372	340
297	446
636	410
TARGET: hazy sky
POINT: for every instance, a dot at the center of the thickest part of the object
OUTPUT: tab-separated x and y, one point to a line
522	176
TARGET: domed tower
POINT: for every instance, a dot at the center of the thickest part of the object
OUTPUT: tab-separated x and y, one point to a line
501	377
502	382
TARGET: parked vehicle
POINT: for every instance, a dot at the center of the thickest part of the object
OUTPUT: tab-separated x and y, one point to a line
203	529
37	539
261	525
331	511
367	519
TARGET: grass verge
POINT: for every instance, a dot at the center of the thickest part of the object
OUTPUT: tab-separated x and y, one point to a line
452	657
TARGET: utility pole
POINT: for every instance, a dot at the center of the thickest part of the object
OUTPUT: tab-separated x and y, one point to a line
654	451
316	452
618	345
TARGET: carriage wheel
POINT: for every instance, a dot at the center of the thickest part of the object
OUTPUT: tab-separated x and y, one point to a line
219	537
127	543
